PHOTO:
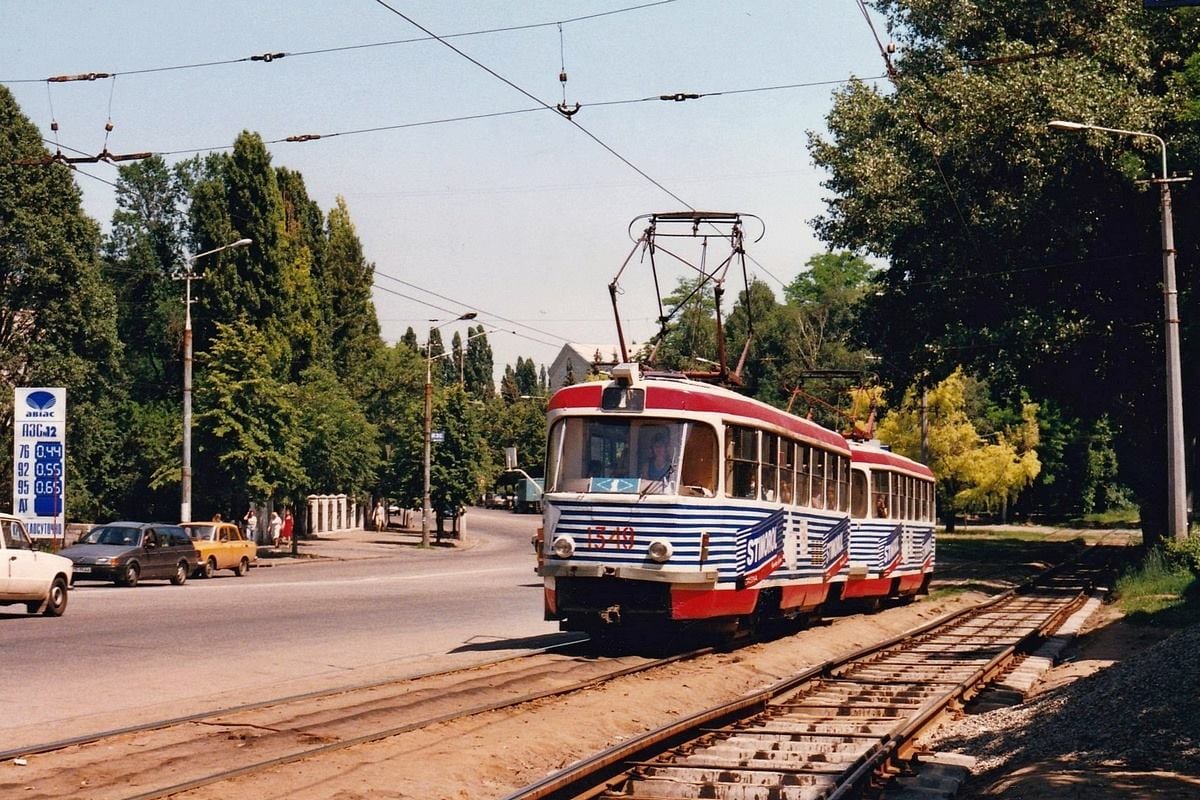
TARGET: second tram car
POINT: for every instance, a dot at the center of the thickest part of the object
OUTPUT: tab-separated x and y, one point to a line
669	500
892	513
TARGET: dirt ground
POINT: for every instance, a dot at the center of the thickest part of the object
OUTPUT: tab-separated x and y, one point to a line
1091	730
494	754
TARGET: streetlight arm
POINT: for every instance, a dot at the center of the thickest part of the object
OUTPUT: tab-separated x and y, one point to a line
1065	125
230	246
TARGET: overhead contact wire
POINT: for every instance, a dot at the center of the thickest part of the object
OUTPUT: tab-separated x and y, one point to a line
270	57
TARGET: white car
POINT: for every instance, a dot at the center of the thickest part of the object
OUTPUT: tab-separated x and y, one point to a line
39	580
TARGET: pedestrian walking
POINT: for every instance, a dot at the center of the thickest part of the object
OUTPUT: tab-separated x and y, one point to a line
379	516
274	528
289	523
250	520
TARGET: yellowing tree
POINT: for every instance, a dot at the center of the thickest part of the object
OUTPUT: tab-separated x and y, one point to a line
971	473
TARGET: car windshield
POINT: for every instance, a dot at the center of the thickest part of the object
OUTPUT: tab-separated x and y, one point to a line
111	534
202	533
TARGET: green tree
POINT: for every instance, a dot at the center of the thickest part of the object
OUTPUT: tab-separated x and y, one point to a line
143	254
410	341
301	316
477	372
1028	255
247	421
58	320
457	473
692	333
526	377
971	472
240	198
394	401
346	282
340	448
510	392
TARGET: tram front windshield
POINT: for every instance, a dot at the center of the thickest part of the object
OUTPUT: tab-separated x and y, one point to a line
632	456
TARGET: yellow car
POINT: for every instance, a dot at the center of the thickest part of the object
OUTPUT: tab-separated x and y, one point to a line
221	546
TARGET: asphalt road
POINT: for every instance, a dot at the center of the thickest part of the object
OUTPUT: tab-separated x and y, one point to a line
121	656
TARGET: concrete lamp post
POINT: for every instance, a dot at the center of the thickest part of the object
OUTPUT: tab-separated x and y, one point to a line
1177	525
425	508
185	478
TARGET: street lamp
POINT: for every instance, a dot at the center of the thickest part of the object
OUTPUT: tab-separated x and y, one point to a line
429	420
1176	478
185	480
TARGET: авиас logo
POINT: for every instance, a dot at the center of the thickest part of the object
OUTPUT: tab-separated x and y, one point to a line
41	402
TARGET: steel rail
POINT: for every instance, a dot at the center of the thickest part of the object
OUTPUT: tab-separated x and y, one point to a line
375	736
604	770
60	744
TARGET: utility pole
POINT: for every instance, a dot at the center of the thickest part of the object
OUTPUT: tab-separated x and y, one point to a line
185	477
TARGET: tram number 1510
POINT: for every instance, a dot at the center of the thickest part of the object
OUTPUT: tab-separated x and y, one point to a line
599	537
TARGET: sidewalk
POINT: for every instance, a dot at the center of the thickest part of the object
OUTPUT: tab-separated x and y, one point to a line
355	544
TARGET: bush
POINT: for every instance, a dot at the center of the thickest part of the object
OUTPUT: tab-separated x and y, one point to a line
1184	553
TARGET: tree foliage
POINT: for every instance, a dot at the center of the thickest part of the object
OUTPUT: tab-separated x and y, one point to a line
247	421
972	472
1028	255
58	321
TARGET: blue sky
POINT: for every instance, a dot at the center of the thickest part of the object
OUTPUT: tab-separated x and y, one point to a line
520	217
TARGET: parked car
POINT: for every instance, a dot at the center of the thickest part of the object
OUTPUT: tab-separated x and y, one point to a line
128	552
39	580
220	545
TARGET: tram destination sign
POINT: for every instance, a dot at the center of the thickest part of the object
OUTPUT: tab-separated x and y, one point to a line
40	459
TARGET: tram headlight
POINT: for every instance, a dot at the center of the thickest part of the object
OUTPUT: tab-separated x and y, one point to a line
564	547
660	550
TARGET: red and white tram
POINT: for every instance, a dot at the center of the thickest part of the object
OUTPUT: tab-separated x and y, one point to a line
669	500
891	524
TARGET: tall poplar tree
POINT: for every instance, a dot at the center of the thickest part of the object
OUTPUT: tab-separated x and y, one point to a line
345	284
57	315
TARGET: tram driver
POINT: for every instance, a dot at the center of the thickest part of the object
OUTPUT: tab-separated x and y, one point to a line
657	465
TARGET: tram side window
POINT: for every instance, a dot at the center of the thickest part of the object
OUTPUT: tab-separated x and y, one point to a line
804	476
769	480
741	461
818	478
879	494
843	482
858	493
698	473
787	471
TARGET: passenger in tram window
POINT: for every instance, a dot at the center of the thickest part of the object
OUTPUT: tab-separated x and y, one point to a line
880	506
658	464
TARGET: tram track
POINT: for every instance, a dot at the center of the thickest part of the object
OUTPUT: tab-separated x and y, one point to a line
170	756
834	729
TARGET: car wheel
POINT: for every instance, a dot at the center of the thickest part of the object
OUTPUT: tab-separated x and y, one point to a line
242	568
131	575
56	604
208	568
181	573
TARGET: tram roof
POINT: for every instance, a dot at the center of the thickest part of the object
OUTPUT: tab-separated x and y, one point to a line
869	454
685	395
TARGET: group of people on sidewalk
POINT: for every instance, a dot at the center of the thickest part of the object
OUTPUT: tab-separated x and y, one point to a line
279	529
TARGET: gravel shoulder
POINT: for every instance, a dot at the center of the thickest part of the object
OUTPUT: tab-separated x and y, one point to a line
1119	717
